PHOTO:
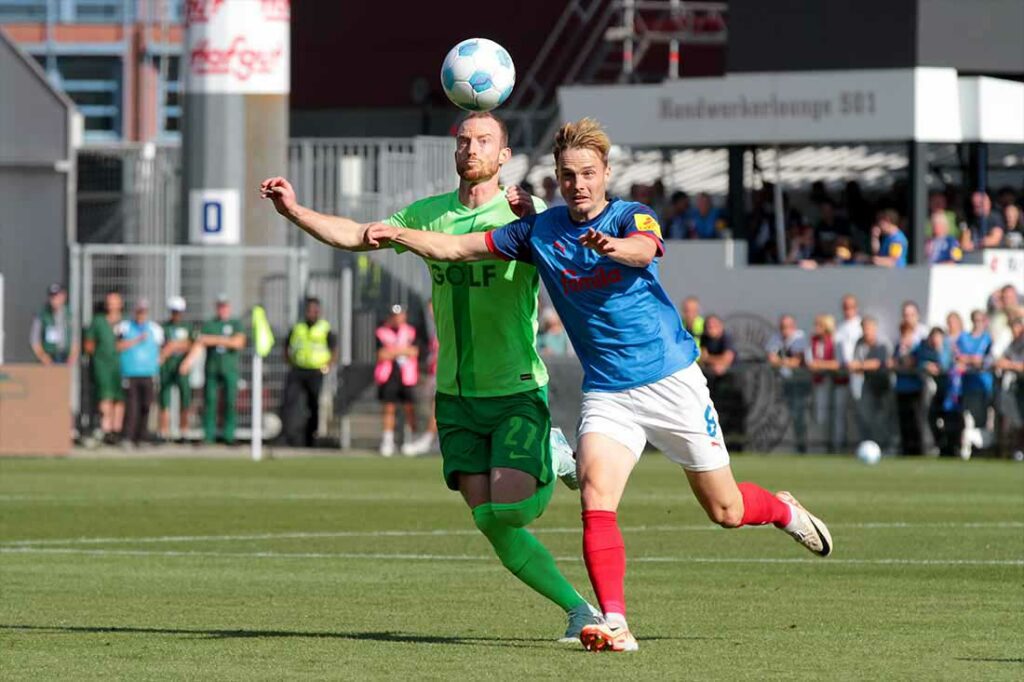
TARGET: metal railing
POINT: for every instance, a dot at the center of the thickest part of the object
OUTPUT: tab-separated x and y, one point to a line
273	277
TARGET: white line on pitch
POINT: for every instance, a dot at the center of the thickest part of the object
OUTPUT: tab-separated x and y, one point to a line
467	557
460	532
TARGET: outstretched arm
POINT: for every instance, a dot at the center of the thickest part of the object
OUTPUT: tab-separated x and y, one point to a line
634	250
432	245
335	231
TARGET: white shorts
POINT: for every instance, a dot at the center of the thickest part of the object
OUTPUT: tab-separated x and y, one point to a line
675	414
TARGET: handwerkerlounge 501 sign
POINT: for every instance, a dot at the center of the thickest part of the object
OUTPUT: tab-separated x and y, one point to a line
238	46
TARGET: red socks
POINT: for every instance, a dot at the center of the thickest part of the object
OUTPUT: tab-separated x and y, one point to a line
761	507
605	552
605	555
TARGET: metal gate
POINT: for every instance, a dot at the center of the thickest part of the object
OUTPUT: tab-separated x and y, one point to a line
273	277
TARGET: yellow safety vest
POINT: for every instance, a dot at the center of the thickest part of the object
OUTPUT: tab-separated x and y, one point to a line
698	329
309	349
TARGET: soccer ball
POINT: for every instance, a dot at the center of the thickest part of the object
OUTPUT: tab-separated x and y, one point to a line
478	74
869	452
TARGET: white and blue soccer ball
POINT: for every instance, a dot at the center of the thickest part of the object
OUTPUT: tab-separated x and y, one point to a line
869	452
478	74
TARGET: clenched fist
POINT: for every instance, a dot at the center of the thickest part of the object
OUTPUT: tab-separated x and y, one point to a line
520	201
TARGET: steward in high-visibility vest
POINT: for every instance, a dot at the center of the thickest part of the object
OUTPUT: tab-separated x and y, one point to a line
311	351
308	345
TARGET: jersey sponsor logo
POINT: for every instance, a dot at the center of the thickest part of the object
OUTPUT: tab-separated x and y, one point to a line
460	275
558	245
646	223
601	279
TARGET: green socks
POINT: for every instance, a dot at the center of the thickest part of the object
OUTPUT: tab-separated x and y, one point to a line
523	554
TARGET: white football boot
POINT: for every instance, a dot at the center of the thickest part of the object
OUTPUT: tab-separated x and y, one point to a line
805	528
608	636
563	459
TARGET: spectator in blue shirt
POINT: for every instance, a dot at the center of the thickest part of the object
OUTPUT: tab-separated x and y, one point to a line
954	328
909	389
138	343
974	354
942	247
787	352
935	360
552	340
888	241
705	221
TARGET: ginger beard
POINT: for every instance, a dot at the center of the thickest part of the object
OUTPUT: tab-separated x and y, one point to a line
480	150
475	169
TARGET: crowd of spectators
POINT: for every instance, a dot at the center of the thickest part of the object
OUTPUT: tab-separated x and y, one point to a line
846	228
915	390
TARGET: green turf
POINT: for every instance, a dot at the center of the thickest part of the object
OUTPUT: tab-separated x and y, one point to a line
939	597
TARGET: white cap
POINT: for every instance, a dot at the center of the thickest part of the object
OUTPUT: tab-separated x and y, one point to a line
176	304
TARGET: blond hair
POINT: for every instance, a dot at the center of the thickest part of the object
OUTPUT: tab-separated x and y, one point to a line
585	133
828	323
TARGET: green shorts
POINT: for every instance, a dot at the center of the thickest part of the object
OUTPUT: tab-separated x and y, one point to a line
107	381
169	379
480	434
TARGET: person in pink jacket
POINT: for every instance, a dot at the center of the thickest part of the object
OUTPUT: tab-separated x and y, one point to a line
396	374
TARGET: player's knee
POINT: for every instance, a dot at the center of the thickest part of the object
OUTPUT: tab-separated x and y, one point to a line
727	517
485	519
516	514
514	518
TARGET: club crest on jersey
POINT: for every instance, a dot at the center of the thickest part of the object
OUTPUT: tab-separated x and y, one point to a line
602	278
646	223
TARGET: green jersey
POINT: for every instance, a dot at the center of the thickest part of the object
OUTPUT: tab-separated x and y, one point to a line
485	312
176	331
102	334
221	358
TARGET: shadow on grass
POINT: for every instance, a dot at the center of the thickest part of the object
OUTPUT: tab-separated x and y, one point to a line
387	636
992	660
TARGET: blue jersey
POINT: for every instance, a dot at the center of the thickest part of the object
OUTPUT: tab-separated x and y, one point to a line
895	246
704	226
943	250
142	359
968	344
621	322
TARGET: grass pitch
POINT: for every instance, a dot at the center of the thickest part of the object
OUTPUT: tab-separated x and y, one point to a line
356	568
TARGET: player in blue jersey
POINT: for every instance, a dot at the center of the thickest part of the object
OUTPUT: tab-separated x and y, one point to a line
942	247
598	260
888	241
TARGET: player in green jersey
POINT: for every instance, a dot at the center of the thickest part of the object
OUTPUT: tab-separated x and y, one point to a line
491	407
